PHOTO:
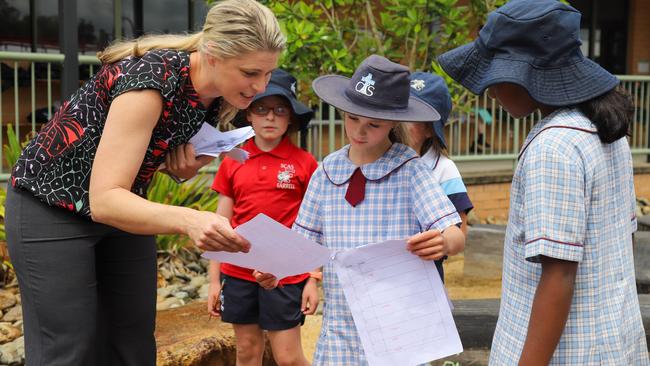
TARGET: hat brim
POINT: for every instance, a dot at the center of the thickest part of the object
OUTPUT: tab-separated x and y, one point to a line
439	129
331	89
557	86
303	114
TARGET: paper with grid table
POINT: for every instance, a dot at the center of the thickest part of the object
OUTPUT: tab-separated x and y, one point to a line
398	302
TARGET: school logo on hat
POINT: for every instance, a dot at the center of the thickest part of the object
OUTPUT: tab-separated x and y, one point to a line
418	84
366	85
379	89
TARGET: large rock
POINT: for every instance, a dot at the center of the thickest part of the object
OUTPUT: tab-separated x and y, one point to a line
14	314
477	319
186	336
642	259
13	353
7	299
643	223
484	252
8	332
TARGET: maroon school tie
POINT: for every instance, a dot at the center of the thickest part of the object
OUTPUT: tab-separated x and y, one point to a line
356	188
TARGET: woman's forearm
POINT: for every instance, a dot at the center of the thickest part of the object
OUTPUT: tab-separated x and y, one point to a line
126	211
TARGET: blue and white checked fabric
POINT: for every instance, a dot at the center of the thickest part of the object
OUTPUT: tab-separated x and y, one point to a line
572	198
401	200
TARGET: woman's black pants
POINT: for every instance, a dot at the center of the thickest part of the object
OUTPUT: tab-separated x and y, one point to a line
88	290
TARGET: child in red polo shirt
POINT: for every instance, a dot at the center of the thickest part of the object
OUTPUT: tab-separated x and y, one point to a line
272	181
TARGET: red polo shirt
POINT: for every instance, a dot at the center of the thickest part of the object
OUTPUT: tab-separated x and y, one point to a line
272	183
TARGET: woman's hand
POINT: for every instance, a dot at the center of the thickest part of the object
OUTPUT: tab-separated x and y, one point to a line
429	245
266	280
310	297
183	162
214	298
213	232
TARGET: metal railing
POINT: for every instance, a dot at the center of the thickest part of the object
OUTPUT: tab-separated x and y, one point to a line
483	131
22	67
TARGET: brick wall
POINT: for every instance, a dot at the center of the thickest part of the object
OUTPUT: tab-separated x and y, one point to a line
490	199
638	34
493	199
642	185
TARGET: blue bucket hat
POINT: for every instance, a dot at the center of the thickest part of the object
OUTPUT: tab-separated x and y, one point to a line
433	90
282	84
379	88
535	44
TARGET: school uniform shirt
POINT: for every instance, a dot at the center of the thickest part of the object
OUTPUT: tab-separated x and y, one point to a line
401	199
56	165
573	199
446	173
272	183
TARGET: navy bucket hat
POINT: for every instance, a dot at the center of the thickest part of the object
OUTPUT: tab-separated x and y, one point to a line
433	90
379	88
282	84
535	44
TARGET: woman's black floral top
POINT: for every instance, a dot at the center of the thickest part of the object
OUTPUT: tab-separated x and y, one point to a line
56	164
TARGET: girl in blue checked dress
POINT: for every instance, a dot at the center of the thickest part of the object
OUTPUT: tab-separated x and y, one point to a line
372	190
569	292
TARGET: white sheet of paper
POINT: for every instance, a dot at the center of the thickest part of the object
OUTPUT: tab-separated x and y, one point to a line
275	249
398	304
238	154
211	141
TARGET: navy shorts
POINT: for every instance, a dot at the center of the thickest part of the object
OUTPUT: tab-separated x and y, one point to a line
246	302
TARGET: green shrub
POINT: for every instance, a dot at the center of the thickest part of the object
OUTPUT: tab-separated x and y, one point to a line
11	152
13	148
195	194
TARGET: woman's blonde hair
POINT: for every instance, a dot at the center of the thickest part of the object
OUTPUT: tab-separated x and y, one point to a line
232	28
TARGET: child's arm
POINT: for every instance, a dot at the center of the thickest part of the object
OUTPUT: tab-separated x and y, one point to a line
266	280
550	311
463	225
433	245
310	293
224	208
214	292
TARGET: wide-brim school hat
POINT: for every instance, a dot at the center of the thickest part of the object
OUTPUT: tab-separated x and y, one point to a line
535	44
378	89
433	90
282	84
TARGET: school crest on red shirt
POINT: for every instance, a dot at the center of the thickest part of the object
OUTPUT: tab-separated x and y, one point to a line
286	172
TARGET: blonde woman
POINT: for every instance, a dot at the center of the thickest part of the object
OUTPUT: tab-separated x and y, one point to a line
79	228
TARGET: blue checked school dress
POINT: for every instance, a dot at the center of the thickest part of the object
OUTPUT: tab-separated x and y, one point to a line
573	199
401	199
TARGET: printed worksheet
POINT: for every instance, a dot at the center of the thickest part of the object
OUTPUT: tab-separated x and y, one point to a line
210	141
398	303
275	249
